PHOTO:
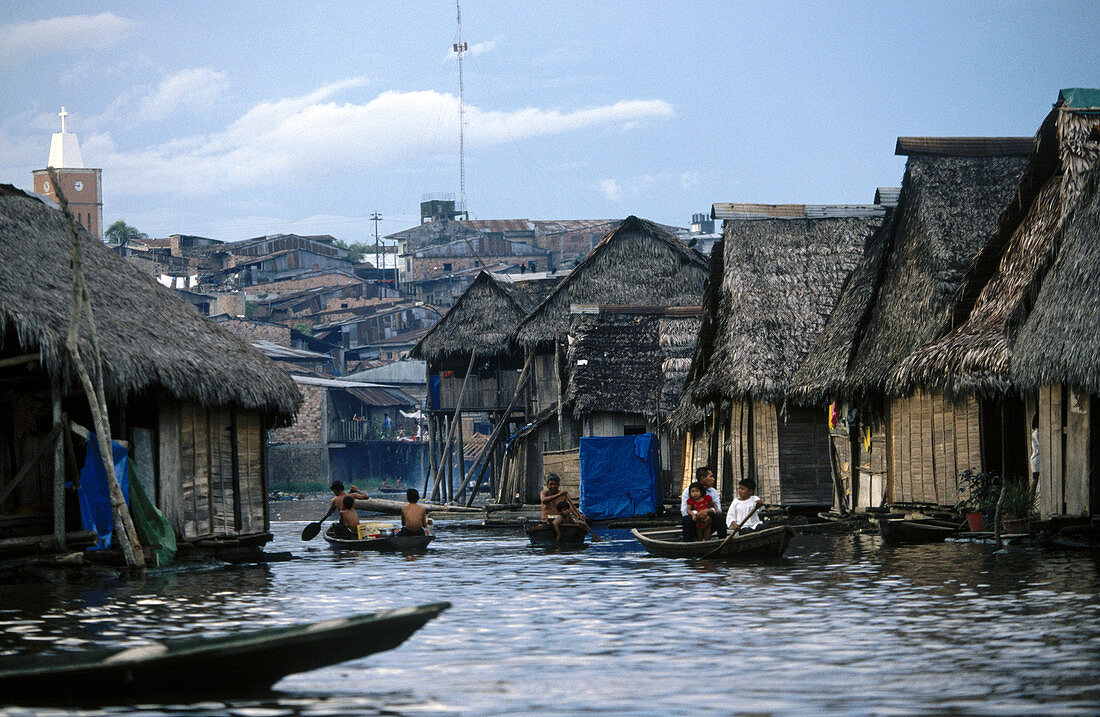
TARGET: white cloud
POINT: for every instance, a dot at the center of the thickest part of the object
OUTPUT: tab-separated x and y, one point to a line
689	180
184	91
611	190
303	139
62	34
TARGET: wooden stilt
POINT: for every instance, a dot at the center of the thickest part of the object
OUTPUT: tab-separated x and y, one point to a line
58	465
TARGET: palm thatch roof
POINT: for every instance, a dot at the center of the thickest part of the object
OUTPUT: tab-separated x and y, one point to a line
774	283
637	263
971	354
630	359
149	337
482	319
900	293
1059	341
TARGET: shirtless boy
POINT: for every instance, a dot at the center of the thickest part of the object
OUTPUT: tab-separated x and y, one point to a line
349	518
556	507
414	517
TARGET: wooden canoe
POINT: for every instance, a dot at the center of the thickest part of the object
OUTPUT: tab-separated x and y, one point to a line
924	530
385	541
762	544
207	666
542	535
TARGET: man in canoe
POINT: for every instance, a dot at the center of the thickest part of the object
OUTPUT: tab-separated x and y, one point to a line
556	507
705	476
338	495
414	517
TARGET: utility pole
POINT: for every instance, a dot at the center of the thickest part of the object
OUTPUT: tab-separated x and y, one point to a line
376	217
461	47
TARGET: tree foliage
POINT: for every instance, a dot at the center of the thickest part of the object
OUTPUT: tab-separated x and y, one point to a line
120	231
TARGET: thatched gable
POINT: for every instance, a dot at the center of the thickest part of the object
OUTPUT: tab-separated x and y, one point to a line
637	263
629	359
776	282
899	294
971	355
1060	341
149	337
482	319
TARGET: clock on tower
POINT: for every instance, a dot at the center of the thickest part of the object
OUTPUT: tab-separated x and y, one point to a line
79	184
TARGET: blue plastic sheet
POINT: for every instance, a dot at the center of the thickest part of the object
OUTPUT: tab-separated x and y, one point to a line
620	476
433	392
95	500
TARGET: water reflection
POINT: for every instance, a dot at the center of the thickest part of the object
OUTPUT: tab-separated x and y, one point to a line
842	624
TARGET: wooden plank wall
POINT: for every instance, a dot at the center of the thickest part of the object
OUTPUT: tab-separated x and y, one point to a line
873	465
567	464
740	435
803	451
169	465
1064	451
766	449
934	439
250	448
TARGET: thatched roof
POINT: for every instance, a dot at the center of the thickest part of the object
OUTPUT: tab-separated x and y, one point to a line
972	354
149	337
629	359
774	283
637	263
482	318
901	290
1059	343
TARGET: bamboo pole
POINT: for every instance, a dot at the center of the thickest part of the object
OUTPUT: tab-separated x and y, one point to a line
58	465
458	413
82	308
558	389
490	445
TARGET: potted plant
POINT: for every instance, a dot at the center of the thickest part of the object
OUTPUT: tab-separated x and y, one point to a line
982	491
1020	503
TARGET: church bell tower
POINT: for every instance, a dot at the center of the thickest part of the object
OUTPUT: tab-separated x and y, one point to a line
80	184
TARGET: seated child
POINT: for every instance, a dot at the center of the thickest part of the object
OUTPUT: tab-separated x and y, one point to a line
701	508
348	527
414	517
741	506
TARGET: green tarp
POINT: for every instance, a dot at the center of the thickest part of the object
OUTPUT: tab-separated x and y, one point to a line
152	527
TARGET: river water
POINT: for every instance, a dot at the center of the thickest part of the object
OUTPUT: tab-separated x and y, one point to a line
842	624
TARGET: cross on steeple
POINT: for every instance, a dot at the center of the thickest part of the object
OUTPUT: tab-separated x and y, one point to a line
62	114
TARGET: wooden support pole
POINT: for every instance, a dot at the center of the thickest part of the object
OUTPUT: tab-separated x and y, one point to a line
460	456
558	390
58	465
458	413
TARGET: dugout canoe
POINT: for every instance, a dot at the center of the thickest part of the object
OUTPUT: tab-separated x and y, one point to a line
924	530
385	541
206	666
542	535
763	544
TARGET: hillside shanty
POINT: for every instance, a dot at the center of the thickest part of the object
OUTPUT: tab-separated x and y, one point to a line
473	368
773	283
971	355
637	264
910	449
191	400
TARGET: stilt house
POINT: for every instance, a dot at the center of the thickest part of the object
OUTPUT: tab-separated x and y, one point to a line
192	400
971	355
472	339
910	448
773	283
637	264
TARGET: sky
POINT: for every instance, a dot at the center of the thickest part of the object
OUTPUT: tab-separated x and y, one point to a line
240	119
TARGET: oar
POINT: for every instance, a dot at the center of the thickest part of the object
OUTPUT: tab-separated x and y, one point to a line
734	531
580	516
310	531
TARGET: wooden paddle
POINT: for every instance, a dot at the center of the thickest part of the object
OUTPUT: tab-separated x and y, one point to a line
310	531
735	530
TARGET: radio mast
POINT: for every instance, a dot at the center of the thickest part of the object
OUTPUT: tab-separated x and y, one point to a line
460	47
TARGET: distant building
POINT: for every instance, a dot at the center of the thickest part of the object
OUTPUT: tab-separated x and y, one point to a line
81	185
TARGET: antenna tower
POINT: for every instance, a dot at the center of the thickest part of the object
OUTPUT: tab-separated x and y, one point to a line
460	47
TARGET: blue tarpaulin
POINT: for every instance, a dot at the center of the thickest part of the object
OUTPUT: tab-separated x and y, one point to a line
620	476
95	500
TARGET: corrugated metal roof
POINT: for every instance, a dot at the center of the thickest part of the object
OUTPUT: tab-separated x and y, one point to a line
729	210
498	225
965	146
278	351
887	196
1080	98
635	309
369	393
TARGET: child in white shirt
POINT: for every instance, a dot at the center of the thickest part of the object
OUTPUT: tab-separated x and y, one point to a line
742	505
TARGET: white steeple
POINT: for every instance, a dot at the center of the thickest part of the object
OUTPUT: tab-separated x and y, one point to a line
64	149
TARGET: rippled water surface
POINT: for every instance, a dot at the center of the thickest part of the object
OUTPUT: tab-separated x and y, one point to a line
842	625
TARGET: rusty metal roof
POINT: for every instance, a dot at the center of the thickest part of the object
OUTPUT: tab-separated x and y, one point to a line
729	210
965	146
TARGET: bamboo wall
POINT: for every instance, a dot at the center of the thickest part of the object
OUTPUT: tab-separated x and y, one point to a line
932	440
1064	451
765	438
872	470
211	470
567	464
483	393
